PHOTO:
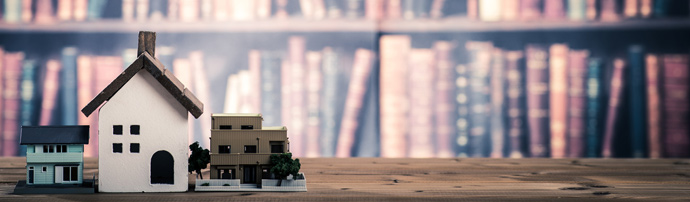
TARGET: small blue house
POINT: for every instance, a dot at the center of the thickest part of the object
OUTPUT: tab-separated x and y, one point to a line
54	154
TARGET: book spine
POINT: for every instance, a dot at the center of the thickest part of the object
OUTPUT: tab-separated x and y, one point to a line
314	87
80	10
608	10
558	98
516	101
354	102
232	92
653	106
676	107
328	107
85	82
13	11
554	9
636	100
263	9
65	9
44	11
220	10
420	94
50	92
408	7
286	95
510	10
577	10
270	88
394	9
12	63
480	98
497	105
27	14
443	104
646	8
142	10
490	10
594	94
2	88
202	91
472	9
95	9
109	67
615	96
577	103
28	98
437	9
68	89
189	10
255	79
296	52
631	9
537	100
462	121
173	10
530	10
591	10
157	10
393	101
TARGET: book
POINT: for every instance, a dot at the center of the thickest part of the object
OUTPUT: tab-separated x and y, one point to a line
27	11
675	106
594	108
646	8
408	7
68	87
591	10
221	10
65	10
173	10
243	10
314	85
609	10
142	10
515	94
11	78
554	10
50	92
394	50
615	96
298	111
80	10
577	10
558	98
329	112
472	9
577	103
637	102
497	86
285	95
490	10
437	9
157	10
510	10
189	10
631	8
105	70
530	10
333	10
307	8
255	82
44	12
361	69
206	10
281	9
479	97
462	121
96	7
443	100
421	98
28	98
232	92
12	11
85	82
270	87
654	105
537	100
394	9
263	9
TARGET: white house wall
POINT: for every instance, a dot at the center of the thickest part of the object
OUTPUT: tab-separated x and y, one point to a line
163	126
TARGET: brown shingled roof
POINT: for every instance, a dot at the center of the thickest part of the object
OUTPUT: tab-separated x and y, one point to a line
162	75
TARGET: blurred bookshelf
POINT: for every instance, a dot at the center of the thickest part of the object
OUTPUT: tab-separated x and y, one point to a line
376	78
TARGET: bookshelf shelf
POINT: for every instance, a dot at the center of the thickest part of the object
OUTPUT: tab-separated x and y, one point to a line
118	26
466	25
452	25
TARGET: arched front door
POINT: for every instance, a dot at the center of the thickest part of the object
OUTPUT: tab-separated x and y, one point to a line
162	168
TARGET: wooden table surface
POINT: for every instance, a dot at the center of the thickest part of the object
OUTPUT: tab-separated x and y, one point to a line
377	179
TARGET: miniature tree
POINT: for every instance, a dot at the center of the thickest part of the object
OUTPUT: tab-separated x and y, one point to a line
283	166
198	160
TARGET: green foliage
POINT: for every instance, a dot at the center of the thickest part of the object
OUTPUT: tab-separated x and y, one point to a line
205	184
199	159
226	185
283	165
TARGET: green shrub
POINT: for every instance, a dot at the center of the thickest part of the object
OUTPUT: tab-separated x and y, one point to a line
226	185
205	184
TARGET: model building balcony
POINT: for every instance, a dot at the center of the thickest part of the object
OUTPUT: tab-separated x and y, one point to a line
54	157
240	159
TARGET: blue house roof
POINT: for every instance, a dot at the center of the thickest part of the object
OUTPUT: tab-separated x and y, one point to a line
54	135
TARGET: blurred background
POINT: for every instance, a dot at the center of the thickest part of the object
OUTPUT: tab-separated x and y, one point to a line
374	78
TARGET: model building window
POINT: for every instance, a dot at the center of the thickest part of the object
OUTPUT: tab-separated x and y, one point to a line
134	148
117	130
247	127
226	127
61	148
45	169
276	147
249	148
70	174
134	129
51	149
117	147
45	148
224	149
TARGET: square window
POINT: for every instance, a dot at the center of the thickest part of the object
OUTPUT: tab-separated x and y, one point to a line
59	149
51	148
74	174
45	169
134	130
247	127
64	148
225	127
117	147
134	147
45	148
224	149
250	149
117	130
277	148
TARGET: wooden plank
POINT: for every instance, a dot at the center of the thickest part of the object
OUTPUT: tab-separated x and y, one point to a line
367	179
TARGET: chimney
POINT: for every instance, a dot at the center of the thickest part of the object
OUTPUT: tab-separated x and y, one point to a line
147	42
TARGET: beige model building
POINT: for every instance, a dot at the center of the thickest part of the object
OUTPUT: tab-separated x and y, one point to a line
241	147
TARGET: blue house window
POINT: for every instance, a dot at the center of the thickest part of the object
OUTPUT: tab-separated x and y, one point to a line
61	148
70	174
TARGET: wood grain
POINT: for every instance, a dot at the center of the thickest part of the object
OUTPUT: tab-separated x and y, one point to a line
375	179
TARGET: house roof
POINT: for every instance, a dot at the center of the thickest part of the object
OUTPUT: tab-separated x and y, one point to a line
163	76
54	135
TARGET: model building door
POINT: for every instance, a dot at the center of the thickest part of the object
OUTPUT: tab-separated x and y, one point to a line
249	174
31	175
162	170
66	174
